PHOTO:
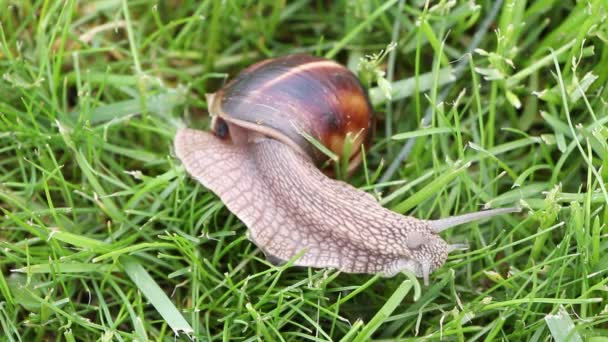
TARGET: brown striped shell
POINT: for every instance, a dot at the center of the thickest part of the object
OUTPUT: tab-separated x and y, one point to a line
283	97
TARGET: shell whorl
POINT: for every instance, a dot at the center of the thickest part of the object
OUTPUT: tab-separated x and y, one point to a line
286	96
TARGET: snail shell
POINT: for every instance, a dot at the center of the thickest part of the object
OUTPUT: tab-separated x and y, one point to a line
289	97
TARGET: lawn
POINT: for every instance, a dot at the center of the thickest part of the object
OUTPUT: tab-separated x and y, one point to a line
479	104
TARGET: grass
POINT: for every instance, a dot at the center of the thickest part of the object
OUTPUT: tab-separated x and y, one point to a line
104	237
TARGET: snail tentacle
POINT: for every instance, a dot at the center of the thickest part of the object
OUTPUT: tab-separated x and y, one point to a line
440	225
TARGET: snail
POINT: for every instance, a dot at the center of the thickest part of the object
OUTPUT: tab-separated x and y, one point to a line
259	162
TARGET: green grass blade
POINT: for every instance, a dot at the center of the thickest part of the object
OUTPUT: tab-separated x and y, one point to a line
385	312
156	296
562	327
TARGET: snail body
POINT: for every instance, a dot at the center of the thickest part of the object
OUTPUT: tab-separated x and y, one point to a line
266	173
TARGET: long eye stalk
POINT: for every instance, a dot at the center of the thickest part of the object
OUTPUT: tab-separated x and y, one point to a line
449	222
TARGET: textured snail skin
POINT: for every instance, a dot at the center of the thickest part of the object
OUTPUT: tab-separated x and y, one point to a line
290	206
